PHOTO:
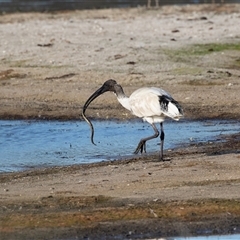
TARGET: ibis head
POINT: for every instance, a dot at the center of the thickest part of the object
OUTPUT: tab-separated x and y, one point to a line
109	85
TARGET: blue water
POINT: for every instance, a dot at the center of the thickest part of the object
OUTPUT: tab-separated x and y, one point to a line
32	144
218	237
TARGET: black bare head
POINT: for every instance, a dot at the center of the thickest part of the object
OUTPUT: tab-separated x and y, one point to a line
107	86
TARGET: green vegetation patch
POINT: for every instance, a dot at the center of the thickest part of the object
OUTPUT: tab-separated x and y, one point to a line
202	49
185	54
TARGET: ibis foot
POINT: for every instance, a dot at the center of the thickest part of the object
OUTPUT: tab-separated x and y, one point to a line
141	147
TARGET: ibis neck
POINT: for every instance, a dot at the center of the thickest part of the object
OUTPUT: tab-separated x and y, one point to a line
122	98
124	101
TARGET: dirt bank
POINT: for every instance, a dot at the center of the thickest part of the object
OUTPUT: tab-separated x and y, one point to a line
51	63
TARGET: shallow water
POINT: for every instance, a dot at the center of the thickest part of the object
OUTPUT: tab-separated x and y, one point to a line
32	144
217	237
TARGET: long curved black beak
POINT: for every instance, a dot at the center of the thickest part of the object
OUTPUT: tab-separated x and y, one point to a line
100	91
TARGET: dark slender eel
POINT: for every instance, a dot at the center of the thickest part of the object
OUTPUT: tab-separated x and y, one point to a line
90	99
90	124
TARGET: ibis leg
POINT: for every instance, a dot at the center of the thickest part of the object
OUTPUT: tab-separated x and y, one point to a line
162	141
142	144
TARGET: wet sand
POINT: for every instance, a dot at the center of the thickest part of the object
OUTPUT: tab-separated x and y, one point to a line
51	63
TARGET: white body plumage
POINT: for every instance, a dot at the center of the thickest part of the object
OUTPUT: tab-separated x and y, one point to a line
151	104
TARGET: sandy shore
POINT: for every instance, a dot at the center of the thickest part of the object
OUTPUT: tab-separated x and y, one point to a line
52	62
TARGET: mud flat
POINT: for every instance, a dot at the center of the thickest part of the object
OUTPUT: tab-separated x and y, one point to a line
51	63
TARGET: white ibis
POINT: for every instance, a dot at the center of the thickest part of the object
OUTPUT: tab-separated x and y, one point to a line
149	103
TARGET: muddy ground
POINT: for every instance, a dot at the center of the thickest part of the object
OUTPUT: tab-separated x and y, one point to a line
52	62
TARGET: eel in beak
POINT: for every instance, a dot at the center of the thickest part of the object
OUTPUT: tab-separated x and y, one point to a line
107	86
